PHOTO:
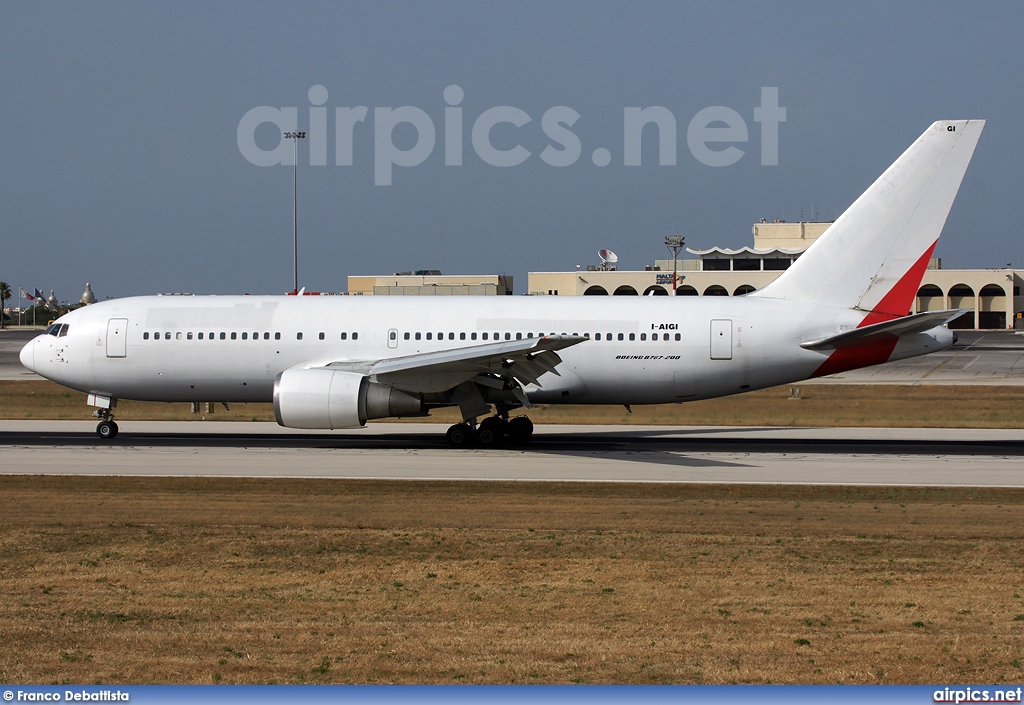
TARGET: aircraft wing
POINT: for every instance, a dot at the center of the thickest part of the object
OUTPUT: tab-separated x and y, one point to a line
525	361
886	330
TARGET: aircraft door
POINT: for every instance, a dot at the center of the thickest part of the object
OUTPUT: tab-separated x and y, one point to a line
721	339
117	331
393	338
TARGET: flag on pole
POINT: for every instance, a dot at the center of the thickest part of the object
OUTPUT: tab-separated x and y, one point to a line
26	295
39	295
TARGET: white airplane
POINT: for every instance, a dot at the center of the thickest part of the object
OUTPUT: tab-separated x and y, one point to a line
332	363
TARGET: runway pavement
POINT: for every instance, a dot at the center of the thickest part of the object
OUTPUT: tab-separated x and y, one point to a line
11	343
979	357
844	456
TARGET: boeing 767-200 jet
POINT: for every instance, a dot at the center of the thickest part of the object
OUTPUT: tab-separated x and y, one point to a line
335	362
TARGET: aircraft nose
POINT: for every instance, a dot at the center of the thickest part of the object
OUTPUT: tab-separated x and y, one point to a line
27	355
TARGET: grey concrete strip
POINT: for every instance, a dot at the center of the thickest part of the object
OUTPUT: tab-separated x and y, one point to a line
907	457
12	341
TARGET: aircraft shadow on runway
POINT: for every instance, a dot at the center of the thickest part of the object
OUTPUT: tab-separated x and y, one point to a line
663	446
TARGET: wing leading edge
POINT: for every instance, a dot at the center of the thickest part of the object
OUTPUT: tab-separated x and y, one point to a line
524	361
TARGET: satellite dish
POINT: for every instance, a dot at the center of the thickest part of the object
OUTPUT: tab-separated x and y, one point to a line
608	256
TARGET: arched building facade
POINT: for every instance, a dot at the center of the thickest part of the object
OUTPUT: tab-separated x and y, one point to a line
992	297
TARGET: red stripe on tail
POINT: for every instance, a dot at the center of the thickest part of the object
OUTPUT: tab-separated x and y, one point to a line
895	304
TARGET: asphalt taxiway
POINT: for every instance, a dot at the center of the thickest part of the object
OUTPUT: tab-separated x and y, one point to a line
820	456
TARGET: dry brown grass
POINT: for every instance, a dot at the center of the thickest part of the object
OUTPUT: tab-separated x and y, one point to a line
820	405
203	580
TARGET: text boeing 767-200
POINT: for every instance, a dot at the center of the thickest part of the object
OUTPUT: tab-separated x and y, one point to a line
332	363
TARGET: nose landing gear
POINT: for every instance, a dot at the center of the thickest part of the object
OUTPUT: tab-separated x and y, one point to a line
107	428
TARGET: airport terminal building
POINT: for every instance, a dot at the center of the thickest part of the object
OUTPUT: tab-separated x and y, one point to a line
430	282
993	295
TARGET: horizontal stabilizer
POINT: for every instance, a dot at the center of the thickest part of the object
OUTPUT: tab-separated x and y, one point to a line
887	330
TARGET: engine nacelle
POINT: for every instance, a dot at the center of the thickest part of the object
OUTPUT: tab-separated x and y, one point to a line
326	398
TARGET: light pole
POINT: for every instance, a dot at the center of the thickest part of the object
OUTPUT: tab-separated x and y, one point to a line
295	137
674	243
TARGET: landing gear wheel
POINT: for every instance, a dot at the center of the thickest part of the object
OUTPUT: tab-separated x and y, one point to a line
459	435
520	429
106	429
492	431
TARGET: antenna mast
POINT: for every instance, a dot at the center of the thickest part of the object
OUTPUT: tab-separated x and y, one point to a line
674	243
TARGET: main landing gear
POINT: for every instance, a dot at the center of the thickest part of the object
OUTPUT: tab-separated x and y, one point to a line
107	428
491	432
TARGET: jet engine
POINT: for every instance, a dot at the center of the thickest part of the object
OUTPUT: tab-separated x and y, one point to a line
326	398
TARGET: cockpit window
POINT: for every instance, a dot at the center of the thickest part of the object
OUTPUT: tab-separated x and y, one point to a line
52	329
63	330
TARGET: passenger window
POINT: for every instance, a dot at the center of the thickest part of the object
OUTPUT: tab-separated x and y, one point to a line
451	336
484	336
678	337
145	336
654	336
298	336
497	336
632	336
234	335
609	335
188	336
406	336
587	336
223	335
266	336
277	336
245	336
462	336
418	336
643	336
440	336
211	335
519	336
393	335
255	336
200	335
472	336
430	336
597	336
355	336
344	336
167	335
321	336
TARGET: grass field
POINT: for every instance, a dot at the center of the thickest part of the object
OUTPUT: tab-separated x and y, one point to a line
122	580
819	405
129	580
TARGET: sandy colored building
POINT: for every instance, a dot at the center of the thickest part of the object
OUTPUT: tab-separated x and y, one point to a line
430	283
993	295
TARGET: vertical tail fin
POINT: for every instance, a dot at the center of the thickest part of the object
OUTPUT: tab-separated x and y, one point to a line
874	256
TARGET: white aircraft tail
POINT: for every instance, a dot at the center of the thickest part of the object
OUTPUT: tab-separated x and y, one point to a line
874	256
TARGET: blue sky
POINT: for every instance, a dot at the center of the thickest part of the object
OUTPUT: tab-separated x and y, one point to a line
121	164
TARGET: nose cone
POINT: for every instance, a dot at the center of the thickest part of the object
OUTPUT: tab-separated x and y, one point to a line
27	355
